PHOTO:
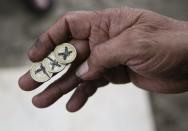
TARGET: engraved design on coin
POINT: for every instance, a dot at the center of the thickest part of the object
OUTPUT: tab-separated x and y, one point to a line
52	65
65	53
39	73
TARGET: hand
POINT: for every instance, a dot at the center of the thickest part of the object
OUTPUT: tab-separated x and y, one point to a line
117	46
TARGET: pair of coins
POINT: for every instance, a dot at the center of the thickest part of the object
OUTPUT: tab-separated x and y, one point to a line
62	55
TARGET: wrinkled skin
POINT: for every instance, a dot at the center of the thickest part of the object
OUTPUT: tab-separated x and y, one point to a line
118	46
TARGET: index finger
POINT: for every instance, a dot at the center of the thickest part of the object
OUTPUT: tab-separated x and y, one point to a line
74	24
46	42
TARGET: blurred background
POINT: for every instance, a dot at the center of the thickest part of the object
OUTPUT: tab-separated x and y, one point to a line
114	108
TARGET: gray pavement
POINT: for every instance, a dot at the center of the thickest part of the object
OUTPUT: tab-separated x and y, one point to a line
113	108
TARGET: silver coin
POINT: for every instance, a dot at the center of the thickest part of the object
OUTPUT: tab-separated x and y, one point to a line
52	65
39	73
65	53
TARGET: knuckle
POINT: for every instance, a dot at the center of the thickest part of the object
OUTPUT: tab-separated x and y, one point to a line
70	13
69	16
74	14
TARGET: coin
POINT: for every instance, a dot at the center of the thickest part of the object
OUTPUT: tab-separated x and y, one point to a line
65	53
52	65
39	73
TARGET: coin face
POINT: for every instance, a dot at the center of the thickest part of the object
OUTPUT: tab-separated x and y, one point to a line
39	73
65	53
52	65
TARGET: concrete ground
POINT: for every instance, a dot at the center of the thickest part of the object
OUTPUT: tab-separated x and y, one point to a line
113	108
19	28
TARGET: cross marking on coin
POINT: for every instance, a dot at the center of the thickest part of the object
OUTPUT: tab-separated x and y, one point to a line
66	53
42	68
53	63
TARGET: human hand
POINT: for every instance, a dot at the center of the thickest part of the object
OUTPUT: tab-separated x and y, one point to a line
114	46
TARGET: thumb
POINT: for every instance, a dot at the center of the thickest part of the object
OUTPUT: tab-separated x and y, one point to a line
103	56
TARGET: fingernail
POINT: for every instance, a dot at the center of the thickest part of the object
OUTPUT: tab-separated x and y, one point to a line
83	69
